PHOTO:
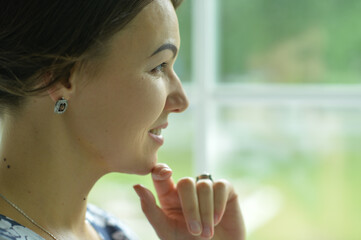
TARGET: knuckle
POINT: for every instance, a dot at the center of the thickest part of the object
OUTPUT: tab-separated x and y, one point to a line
223	185
185	182
204	186
233	197
223	181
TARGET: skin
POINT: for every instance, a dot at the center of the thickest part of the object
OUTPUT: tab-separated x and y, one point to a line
112	107
190	210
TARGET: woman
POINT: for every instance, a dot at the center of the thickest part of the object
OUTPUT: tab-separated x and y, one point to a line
107	66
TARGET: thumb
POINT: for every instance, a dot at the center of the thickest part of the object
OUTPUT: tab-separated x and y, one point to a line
154	214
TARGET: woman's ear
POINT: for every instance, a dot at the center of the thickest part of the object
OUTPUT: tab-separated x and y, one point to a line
63	88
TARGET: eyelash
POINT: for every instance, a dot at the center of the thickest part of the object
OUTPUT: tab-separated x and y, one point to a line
159	69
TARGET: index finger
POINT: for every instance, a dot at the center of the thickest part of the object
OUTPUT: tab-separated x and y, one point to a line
162	180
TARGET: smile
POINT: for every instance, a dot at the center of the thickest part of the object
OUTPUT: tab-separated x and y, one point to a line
156	133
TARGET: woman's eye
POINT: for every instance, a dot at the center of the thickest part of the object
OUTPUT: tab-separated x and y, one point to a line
159	69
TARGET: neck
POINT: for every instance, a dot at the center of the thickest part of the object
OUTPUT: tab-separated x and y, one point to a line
44	175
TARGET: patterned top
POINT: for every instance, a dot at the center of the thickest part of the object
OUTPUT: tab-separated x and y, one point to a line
107	226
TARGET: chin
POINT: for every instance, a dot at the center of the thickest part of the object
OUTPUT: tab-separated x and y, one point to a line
142	171
146	168
143	166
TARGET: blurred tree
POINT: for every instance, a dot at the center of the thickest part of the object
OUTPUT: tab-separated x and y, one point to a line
290	40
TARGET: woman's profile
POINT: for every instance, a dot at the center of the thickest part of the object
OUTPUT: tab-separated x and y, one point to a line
86	88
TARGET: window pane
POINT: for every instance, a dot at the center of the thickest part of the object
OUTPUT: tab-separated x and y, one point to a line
290	41
296	168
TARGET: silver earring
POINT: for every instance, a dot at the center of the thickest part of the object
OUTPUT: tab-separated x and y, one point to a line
60	106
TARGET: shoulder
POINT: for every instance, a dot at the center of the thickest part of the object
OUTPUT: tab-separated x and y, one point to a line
108	226
11	230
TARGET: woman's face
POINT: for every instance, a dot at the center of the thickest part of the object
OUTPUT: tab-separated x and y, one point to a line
116	115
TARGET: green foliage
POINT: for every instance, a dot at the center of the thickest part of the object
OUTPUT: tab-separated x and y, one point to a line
255	27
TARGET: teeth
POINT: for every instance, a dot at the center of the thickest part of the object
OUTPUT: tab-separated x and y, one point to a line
157	131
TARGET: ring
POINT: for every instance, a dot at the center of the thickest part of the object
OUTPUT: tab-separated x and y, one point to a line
204	176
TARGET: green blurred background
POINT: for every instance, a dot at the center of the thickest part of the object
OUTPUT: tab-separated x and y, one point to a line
295	162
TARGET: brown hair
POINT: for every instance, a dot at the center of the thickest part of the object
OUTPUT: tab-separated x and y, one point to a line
41	37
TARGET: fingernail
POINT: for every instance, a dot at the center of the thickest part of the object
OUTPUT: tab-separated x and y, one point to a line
162	174
207	232
195	227
165	171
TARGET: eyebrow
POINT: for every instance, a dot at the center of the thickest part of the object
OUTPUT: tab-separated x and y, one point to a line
166	46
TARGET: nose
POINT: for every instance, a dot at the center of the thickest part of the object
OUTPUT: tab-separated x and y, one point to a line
177	100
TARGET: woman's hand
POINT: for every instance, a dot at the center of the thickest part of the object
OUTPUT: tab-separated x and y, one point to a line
190	210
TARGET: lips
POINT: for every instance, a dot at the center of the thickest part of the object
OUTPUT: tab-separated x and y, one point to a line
158	130
156	133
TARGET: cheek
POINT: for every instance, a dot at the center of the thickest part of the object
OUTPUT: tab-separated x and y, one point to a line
138	102
113	118
151	100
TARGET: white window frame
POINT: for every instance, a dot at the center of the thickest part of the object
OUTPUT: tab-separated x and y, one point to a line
206	93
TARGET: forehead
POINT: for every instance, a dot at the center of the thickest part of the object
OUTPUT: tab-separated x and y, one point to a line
155	25
157	10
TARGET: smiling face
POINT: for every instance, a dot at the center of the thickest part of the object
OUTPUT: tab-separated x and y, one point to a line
117	113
